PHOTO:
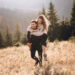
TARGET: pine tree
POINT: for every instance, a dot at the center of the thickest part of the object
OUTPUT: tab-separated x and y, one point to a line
73	19
17	33
67	22
43	12
1	40
24	39
8	37
52	17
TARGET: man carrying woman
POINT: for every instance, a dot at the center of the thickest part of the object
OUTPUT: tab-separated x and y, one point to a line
37	36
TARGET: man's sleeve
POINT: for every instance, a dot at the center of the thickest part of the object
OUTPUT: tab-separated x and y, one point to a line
29	37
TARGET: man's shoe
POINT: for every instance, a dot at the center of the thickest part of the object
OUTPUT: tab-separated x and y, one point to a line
36	63
40	64
45	57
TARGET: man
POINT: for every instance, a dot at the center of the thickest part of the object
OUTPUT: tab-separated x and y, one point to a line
34	43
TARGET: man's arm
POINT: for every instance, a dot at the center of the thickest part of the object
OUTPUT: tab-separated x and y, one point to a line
28	36
35	30
41	28
29	39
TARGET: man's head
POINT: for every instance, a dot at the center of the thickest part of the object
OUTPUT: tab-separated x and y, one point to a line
33	24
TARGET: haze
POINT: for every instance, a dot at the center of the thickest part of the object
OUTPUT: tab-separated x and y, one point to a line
63	7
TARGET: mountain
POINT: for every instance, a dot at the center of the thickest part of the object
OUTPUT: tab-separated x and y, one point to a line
12	17
62	7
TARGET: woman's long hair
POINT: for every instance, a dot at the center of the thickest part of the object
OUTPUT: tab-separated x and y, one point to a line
45	22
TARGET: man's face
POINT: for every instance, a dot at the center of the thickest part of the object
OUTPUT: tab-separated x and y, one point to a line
33	25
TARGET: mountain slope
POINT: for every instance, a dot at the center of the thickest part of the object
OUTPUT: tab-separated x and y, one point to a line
12	17
17	60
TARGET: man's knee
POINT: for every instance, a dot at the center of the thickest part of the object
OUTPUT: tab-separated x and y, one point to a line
32	56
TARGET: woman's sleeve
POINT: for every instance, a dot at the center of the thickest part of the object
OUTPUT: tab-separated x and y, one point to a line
29	37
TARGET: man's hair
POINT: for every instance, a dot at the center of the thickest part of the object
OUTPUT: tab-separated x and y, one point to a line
34	22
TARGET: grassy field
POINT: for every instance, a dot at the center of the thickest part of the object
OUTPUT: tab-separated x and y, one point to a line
17	60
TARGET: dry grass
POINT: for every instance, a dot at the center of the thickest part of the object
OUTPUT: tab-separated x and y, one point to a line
17	60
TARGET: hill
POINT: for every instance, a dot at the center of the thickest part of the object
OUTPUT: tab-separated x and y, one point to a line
17	60
11	17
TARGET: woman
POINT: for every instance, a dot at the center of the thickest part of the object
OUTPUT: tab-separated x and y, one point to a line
42	21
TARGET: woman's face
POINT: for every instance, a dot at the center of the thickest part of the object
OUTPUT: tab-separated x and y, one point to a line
39	21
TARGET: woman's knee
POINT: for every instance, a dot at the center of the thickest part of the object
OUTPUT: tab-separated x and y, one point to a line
44	38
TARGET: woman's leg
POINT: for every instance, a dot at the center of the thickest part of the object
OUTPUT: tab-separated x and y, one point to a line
44	48
40	55
44	52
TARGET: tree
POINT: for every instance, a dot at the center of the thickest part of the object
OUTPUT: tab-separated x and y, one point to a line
17	33
52	17
8	37
67	21
43	12
73	19
1	40
64	30
24	39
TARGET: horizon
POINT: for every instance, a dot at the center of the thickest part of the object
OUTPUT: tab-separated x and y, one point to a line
62	7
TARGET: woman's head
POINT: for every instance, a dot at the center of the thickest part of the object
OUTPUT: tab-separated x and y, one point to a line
41	20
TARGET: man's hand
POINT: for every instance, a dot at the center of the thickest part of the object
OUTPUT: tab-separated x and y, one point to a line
29	45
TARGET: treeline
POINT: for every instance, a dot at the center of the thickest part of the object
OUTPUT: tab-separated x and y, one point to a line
59	30
11	39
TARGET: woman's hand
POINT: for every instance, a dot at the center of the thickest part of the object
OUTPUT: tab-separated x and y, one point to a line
29	45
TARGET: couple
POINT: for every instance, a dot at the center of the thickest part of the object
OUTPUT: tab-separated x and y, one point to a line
37	36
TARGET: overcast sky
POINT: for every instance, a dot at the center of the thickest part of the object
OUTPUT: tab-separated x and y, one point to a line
62	6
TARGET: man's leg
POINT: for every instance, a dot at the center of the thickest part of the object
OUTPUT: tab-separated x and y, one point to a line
33	51
40	55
